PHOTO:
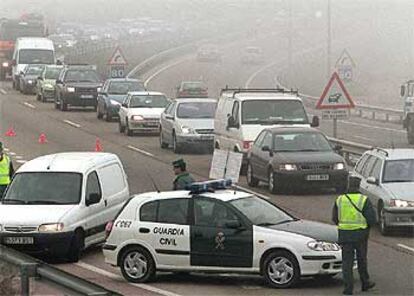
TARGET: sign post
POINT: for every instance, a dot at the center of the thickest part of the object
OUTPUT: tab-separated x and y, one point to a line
117	64
335	101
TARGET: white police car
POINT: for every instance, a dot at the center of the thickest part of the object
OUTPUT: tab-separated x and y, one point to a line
218	231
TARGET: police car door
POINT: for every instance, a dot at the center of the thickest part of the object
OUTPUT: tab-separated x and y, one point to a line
219	237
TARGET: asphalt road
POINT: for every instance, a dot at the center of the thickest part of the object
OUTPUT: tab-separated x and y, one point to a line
391	259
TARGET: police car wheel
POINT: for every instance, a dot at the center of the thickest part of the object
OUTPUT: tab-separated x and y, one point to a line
281	269
251	180
137	265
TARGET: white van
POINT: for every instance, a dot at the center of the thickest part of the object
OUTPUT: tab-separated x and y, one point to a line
59	204
31	50
242	114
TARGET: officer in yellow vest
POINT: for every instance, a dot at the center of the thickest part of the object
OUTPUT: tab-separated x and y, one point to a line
354	214
6	170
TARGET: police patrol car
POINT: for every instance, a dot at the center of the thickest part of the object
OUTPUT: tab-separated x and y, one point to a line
214	229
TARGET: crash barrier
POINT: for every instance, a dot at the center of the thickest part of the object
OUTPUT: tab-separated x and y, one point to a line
360	109
351	151
30	267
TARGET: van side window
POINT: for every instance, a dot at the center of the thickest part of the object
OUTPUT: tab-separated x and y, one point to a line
92	185
368	166
148	212
235	112
360	164
112	178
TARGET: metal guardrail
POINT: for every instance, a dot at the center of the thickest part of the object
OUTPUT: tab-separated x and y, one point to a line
33	268
351	151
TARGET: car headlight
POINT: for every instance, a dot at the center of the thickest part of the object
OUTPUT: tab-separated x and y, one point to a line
288	167
339	166
399	203
30	81
5	64
48	86
52	227
98	89
323	246
137	118
116	103
70	89
187	130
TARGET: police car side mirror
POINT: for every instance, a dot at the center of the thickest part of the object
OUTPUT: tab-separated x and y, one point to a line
372	180
93	198
233	224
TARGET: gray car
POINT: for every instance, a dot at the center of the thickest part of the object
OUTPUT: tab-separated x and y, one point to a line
387	178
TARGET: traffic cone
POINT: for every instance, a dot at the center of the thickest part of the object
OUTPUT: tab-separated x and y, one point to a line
42	139
98	145
10	132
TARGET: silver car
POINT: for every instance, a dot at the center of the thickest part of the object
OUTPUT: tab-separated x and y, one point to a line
188	122
387	178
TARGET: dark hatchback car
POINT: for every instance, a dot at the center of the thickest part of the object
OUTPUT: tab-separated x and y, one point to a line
290	157
77	86
28	78
114	92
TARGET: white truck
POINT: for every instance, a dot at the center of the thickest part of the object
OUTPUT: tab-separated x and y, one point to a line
407	94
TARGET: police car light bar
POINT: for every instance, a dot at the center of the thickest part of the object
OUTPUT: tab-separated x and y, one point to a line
208	186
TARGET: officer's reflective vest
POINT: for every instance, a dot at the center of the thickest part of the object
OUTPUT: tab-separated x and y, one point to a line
5	170
350	218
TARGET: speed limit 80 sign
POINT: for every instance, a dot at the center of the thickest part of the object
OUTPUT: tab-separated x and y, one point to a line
117	71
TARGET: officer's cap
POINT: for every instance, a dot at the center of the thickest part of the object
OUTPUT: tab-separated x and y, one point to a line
179	163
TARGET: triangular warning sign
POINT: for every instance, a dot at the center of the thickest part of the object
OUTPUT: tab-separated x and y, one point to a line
117	58
345	59
335	95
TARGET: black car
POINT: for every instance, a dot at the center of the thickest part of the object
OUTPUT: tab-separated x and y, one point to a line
78	86
290	157
28	78
113	94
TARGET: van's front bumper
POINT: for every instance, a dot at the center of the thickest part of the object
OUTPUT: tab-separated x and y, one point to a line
55	244
195	139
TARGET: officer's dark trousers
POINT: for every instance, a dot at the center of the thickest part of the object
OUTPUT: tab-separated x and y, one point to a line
348	254
2	189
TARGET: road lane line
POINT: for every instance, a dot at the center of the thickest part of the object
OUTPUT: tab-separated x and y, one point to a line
140	150
148	80
29	105
11	153
18	157
3	91
406	247
373	126
72	123
6	149
118	277
21	161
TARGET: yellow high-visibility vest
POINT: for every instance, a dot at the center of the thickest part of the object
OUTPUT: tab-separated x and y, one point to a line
5	170
350	218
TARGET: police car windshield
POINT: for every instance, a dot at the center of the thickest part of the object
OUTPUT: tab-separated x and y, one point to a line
261	212
268	112
34	188
399	171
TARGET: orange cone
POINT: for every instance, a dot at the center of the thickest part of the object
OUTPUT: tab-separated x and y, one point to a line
10	132
42	139
98	145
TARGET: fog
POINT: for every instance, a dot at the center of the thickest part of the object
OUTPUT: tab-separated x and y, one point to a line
378	34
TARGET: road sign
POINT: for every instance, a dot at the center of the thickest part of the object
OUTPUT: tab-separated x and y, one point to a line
335	114
117	71
226	164
117	58
335	95
345	65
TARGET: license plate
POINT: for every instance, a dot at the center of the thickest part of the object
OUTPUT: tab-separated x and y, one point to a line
207	138
317	177
86	96
151	124
18	240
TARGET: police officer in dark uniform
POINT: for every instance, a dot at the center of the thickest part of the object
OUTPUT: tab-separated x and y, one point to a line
354	215
183	178
6	170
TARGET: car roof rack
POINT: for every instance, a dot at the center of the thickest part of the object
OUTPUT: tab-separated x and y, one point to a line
261	90
382	150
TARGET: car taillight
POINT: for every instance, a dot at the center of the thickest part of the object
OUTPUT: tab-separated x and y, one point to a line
247	144
108	228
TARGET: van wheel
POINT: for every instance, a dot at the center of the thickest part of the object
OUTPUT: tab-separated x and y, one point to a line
137	265
76	246
251	180
281	269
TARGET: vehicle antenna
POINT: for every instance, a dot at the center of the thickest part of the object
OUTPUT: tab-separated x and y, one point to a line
152	181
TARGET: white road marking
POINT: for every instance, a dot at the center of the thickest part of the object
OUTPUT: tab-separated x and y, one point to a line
18	157
406	247
72	123
3	91
251	191
162	70
117	277
140	150
6	149
373	126
11	153
29	105
21	161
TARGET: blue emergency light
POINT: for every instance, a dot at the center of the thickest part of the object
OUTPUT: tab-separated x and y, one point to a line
208	186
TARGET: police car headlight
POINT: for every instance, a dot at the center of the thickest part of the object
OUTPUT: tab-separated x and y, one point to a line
288	167
70	89
323	246
339	166
53	227
187	130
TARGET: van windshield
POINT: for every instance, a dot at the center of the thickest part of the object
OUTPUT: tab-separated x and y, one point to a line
36	56
36	188
273	112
